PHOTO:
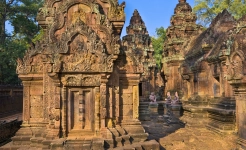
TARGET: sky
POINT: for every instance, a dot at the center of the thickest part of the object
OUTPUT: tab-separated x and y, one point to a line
155	13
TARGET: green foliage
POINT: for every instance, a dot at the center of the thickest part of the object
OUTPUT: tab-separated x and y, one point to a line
157	42
38	36
207	10
23	20
21	16
9	53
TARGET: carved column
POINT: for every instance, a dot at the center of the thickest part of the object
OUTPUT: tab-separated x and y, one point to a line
226	88
103	101
117	104
97	109
202	83
129	103
174	77
239	88
54	107
191	85
110	104
64	111
135	101
26	102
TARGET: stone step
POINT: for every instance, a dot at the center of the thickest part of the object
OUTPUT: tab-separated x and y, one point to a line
120	130
114	132
147	145
37	142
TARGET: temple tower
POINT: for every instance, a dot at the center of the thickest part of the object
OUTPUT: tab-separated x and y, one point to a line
183	27
65	75
72	100
138	42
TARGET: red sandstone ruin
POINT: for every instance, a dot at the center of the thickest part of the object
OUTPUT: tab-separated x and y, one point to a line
83	84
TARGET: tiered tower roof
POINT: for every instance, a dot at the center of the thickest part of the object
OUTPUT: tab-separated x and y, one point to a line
137	42
183	26
137	25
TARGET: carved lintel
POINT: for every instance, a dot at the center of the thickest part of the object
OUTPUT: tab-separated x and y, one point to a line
82	80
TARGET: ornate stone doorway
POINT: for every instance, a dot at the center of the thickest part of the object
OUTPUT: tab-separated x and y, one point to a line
80	111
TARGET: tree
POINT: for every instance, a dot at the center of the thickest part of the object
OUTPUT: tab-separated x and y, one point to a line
13	48
157	42
207	10
21	16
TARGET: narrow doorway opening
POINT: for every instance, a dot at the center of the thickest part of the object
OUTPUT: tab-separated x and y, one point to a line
140	89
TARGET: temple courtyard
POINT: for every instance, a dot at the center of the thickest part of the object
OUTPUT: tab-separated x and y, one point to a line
84	87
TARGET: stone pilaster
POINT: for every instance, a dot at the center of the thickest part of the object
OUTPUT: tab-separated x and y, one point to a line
239	87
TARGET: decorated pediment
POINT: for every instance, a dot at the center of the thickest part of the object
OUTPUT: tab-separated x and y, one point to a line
79	36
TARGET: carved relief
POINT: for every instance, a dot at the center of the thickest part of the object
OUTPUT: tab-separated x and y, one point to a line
54	114
26	97
116	11
36	109
80	13
29	64
236	68
103	100
80	45
135	102
82	80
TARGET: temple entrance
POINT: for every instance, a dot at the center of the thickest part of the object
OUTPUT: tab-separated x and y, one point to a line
80	111
140	89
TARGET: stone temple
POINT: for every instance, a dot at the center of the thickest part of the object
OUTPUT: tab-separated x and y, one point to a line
83	85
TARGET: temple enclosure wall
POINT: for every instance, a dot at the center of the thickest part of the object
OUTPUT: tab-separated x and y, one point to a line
11	100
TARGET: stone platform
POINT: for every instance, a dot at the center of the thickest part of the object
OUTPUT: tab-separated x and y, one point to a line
198	139
16	116
172	137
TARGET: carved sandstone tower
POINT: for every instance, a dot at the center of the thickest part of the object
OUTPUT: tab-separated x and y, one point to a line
137	45
65	74
183	27
70	101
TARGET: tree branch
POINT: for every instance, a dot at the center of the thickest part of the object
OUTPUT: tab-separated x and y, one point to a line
10	2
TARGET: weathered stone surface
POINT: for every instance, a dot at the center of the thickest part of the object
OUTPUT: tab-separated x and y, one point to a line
81	87
197	138
207	69
197	67
138	42
183	27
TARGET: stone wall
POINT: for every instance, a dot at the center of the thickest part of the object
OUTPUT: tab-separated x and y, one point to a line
11	100
8	129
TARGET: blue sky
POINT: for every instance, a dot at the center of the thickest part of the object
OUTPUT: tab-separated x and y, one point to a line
155	13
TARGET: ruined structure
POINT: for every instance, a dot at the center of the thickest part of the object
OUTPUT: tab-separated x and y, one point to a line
233	56
82	84
205	70
77	93
210	70
183	27
137	42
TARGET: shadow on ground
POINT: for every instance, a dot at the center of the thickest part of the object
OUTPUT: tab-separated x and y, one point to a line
157	128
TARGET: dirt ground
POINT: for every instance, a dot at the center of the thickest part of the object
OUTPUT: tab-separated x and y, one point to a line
178	137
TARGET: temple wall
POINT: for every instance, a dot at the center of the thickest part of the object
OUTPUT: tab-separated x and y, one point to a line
11	100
